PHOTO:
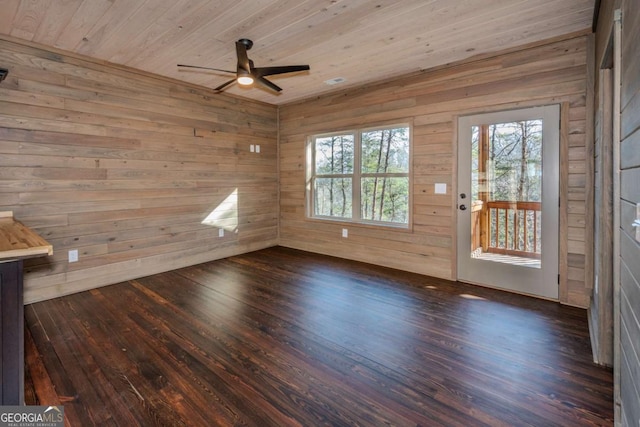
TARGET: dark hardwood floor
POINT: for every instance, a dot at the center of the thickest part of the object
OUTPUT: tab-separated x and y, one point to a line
281	337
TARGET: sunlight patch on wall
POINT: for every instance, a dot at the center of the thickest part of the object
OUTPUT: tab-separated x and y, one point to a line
225	215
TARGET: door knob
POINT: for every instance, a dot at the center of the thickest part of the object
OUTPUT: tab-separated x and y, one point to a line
463	208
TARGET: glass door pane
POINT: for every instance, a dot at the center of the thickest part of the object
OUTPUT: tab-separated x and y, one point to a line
506	192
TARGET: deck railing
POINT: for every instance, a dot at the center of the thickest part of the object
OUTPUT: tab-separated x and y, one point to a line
507	227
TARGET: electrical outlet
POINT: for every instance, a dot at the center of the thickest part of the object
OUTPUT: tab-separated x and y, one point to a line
257	148
221	232
345	233
252	148
440	188
73	255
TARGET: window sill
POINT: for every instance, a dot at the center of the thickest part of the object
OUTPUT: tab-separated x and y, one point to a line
405	228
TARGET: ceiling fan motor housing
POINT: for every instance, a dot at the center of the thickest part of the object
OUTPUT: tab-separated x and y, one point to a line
247	43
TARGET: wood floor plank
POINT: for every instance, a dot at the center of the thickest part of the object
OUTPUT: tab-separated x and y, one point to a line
35	321
45	394
281	337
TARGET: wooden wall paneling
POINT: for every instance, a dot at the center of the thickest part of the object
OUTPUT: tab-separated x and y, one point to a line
630	39
588	162
47	66
629	188
629	369
125	166
601	309
630	336
545	74
629	329
630	150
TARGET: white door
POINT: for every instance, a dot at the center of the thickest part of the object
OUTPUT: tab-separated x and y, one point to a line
508	200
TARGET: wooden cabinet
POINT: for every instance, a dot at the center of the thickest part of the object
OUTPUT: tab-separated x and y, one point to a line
17	242
11	334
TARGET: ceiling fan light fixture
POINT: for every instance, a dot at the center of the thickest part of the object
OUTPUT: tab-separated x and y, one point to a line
247	74
245	80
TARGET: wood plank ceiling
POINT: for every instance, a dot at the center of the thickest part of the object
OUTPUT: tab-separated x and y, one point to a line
361	41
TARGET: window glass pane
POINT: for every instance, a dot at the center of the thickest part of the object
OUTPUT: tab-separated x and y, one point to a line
475	166
385	199
333	197
385	150
334	154
515	155
506	189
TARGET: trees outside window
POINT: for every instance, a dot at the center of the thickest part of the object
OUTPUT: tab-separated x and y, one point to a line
506	166
514	166
361	176
334	167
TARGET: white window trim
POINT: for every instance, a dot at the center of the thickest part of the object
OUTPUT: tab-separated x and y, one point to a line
356	177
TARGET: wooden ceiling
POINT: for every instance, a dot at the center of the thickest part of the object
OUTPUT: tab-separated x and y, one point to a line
361	41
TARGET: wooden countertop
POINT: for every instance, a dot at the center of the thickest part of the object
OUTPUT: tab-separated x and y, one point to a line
18	241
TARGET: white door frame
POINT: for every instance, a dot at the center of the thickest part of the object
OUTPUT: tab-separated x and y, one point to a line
541	282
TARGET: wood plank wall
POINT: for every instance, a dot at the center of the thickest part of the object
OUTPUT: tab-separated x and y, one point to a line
629	346
125	166
601	307
629	200
550	73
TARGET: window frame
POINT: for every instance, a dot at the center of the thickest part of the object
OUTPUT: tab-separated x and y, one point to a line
357	176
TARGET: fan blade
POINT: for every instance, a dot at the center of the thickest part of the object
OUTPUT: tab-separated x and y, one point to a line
223	85
261	81
270	71
206	68
243	59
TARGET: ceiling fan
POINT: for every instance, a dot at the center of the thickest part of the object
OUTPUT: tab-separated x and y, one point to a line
247	74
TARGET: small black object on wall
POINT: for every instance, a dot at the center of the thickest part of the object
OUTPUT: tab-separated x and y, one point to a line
3	73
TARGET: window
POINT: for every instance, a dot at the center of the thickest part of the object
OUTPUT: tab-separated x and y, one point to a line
361	176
